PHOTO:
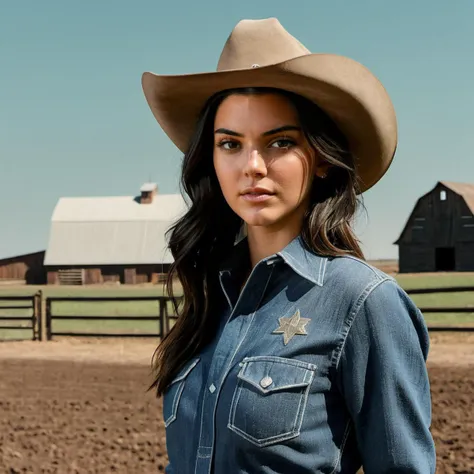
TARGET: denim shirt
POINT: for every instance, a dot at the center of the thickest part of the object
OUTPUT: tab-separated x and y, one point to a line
318	366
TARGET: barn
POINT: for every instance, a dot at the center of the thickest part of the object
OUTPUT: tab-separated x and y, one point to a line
27	268
96	240
439	234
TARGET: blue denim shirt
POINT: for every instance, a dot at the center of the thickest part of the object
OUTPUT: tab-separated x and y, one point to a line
318	366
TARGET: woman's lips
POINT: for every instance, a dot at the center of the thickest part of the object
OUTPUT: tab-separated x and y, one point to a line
256	197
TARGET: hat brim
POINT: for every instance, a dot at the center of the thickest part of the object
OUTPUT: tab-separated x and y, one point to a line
346	90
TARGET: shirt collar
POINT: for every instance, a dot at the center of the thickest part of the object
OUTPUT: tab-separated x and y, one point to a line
302	261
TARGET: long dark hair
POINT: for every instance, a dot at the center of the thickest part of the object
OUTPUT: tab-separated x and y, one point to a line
205	235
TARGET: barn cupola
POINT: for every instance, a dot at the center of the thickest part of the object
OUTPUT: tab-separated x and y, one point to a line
147	192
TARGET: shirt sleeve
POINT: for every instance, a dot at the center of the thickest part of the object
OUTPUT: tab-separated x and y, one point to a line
383	377
168	469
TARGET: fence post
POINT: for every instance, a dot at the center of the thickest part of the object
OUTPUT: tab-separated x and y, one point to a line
37	311
32	300
167	319
162	317
48	320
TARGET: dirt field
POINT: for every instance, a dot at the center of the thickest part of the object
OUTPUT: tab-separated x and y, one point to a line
75	407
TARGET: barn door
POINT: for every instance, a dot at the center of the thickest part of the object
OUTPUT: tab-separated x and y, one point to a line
445	259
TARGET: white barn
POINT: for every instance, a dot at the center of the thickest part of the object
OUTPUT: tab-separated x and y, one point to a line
94	240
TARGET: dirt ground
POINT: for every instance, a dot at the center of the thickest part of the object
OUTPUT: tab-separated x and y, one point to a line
82	407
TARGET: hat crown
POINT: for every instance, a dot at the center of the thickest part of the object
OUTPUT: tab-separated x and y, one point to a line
256	43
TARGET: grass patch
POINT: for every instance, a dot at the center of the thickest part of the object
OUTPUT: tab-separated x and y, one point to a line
439	300
16	334
434	280
112	326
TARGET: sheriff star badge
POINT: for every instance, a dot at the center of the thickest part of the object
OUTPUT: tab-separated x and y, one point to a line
290	327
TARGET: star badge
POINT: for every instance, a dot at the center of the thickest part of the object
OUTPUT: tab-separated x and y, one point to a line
290	327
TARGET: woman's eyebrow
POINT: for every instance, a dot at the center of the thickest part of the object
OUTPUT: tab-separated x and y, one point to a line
284	128
226	131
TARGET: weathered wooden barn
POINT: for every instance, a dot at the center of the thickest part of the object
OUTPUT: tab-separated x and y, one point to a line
112	239
439	234
27	268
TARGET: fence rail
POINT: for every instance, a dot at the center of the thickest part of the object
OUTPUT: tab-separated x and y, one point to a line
162	316
440	309
447	289
13	322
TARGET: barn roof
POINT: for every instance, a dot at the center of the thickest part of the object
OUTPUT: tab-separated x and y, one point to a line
112	230
464	190
20	257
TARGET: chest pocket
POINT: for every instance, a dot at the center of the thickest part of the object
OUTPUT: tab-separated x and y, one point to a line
173	393
270	399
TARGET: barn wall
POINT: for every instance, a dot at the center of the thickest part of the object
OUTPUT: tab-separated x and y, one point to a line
151	273
53	277
24	267
416	258
465	257
129	275
93	276
13	271
112	274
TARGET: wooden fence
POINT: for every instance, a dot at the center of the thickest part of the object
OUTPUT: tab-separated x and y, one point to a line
439	309
15	322
162	316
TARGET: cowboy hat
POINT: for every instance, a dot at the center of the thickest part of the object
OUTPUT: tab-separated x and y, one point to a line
261	53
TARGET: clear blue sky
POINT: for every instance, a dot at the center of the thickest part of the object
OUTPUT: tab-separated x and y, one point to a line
73	120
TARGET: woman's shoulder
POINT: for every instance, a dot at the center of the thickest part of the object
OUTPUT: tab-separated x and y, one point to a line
362	285
354	274
355	280
374	296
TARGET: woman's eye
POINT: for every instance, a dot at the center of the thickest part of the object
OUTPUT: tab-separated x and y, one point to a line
228	145
282	143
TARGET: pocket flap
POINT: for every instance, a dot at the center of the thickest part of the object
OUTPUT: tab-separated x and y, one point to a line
184	372
270	374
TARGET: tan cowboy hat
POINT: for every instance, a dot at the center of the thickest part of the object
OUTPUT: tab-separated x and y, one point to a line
261	53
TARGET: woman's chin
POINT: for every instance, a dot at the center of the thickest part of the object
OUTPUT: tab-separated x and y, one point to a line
260	219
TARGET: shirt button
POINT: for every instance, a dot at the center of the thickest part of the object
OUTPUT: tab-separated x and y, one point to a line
266	381
212	388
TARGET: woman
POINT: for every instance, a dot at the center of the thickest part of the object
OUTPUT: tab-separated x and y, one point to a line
291	355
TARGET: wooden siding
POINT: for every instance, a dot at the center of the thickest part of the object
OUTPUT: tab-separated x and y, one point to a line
28	268
53	278
129	275
93	276
416	258
465	257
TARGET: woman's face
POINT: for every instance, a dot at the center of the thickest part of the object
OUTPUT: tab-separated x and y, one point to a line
264	164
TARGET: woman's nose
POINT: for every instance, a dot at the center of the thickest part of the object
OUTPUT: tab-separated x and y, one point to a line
255	165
